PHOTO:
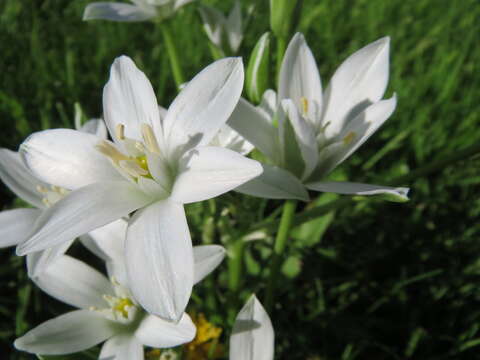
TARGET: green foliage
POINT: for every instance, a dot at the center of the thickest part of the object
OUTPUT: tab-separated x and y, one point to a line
369	280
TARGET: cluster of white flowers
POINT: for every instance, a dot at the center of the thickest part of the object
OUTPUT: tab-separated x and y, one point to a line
124	197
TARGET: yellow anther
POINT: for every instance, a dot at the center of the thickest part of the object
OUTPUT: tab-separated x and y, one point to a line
41	189
110	151
304	102
349	138
149	139
46	202
120	131
122	306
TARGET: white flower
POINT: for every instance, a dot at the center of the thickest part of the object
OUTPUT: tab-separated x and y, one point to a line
252	335
225	32
152	165
107	312
16	225
141	10
305	134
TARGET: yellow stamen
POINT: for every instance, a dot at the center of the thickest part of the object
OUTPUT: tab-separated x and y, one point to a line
150	139
133	168
41	189
110	151
120	131
349	138
304	102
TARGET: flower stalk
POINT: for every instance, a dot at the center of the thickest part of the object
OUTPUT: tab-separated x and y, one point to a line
278	249
172	54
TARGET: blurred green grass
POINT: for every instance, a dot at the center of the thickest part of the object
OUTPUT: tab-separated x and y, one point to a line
379	281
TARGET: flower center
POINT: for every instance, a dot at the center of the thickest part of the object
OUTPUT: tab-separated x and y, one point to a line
51	194
120	308
304	103
135	164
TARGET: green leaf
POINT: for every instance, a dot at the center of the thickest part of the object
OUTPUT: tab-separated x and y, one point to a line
258	70
292	267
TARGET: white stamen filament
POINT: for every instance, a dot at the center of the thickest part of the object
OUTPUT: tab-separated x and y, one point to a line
150	139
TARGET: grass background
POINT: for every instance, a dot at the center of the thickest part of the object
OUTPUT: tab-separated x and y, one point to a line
369	281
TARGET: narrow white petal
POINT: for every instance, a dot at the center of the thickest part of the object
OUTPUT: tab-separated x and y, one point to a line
305	136
275	183
360	81
82	211
299	77
129	100
16	225
398	194
255	126
252	336
204	105
159	333
67	158
213	23
206	172
269	103
160	259
96	127
122	347
75	283
69	333
206	258
230	139
116	12
354	135
18	178
39	261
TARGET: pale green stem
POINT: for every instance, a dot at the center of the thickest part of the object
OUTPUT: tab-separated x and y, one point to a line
172	53
217	54
276	259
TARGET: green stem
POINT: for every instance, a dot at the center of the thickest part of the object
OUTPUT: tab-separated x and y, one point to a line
235	265
343	201
281	47
278	249
172	53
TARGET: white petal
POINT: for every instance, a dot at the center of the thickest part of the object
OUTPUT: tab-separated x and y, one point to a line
129	100
254	125
275	183
122	347
299	77
305	136
96	127
19	179
206	258
356	132
230	139
269	103
115	12
159	333
110	240
398	194
213	24
252	335
358	82
39	261
75	283
206	172
82	211
204	105
160	259
67	158
69	333
16	225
